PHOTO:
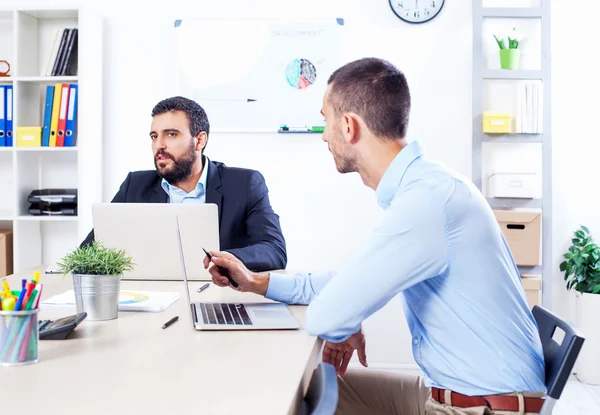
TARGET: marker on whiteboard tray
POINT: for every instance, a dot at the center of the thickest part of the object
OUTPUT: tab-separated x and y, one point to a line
305	129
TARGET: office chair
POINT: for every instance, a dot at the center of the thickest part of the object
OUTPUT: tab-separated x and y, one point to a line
322	394
559	358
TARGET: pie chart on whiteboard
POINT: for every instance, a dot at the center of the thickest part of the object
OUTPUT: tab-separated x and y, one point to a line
300	73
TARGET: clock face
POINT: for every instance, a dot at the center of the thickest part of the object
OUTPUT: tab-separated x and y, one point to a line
4	67
416	11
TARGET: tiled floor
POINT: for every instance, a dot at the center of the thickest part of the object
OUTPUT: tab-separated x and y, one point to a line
578	399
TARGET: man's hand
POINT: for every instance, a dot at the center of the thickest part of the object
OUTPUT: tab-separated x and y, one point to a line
246	280
339	354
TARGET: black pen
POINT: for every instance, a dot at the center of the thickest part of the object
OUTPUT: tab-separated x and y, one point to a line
168	323
222	270
204	287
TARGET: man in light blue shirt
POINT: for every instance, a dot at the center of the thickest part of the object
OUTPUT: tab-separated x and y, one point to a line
438	247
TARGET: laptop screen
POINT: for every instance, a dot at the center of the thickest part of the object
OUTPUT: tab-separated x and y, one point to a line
185	280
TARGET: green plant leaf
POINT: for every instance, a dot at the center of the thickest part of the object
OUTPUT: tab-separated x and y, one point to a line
95	259
500	43
563	266
580	234
596	289
585	229
568	255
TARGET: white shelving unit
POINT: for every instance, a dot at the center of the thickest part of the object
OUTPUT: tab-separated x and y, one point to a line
26	38
535	15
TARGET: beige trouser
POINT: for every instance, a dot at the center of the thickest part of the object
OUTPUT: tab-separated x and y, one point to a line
378	392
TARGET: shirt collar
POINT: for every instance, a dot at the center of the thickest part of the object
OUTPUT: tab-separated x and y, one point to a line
200	187
392	178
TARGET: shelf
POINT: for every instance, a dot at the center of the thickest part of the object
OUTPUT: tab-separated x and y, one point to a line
50	14
6	79
507	203
48	79
5	216
6	149
511	74
513	12
530	269
47	149
28	218
516	138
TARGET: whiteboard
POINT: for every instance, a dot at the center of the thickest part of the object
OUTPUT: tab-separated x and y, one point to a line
256	75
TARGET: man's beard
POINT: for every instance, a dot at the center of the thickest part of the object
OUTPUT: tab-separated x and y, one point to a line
182	167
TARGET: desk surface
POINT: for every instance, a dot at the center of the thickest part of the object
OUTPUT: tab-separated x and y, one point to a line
131	365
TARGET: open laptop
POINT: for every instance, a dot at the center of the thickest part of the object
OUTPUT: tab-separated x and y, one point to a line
235	316
145	232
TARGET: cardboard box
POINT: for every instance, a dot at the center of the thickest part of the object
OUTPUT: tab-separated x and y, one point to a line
6	253
518	185
522	229
533	289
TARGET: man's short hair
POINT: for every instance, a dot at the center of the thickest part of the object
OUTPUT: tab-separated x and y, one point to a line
196	115
375	90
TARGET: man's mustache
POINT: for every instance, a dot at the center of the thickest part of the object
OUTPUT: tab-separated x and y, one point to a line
164	154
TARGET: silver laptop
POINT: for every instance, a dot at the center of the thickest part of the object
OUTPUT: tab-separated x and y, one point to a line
145	232
235	316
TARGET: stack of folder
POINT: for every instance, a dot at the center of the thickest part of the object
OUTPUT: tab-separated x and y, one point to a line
6	115
63	58
60	116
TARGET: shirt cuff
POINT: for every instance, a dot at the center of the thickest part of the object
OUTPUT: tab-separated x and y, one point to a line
281	287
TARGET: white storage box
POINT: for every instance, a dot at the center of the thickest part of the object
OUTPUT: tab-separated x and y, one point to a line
519	185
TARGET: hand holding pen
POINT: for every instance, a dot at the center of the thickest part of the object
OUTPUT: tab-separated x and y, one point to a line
223	271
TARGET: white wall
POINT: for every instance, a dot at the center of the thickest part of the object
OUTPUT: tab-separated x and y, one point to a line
576	148
324	215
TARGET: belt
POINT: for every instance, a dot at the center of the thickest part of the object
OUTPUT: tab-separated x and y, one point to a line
494	402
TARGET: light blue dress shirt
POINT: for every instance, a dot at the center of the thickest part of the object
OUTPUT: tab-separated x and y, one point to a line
441	250
198	195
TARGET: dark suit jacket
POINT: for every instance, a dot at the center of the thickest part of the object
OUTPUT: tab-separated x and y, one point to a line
248	227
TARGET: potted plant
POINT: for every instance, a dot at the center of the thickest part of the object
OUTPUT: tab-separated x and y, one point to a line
509	51
582	273
97	273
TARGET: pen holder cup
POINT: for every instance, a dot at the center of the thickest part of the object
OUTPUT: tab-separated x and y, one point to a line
19	337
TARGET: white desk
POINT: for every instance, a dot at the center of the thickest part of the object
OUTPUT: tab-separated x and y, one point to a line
131	365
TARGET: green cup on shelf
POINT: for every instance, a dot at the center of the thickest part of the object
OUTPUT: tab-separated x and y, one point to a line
509	58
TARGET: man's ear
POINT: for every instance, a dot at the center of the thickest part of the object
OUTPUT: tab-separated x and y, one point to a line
201	140
350	127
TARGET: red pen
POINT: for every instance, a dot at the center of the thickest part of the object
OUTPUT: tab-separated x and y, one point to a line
30	287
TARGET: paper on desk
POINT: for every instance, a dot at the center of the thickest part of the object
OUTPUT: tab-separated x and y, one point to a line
129	300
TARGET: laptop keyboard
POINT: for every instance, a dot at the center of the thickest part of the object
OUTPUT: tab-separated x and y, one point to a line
223	313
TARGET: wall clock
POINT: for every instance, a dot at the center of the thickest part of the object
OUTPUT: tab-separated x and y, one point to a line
416	11
4	68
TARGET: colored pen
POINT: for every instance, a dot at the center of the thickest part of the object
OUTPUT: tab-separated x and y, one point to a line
204	287
222	270
7	293
30	287
19	305
39	297
168	323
